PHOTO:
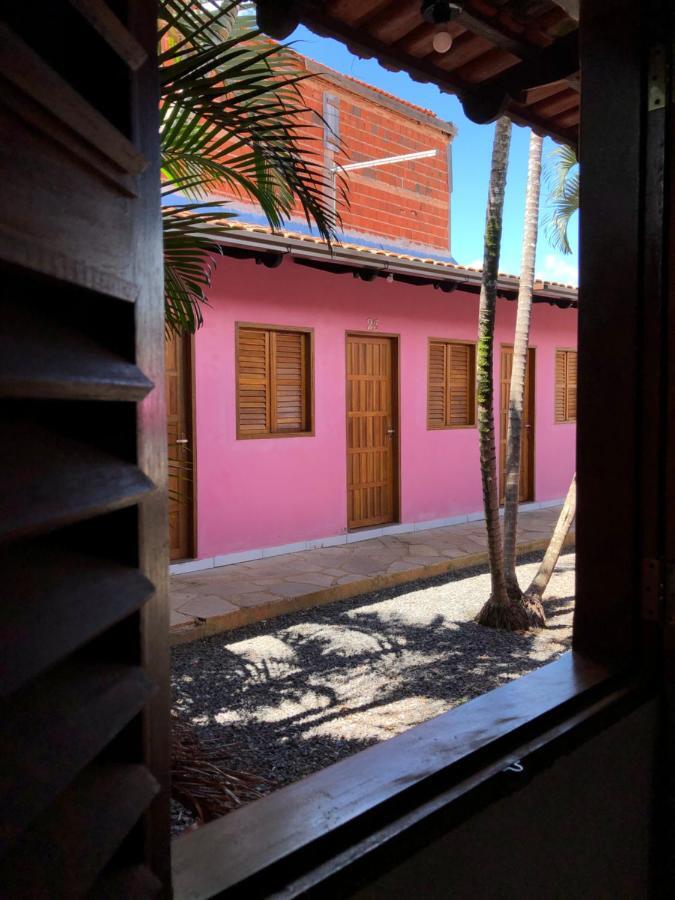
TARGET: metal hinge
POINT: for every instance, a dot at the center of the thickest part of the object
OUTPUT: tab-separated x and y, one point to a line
658	591
656	78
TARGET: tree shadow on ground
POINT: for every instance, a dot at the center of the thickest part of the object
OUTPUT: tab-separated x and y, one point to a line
302	691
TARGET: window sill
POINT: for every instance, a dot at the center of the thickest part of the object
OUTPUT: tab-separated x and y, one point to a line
297	836
272	435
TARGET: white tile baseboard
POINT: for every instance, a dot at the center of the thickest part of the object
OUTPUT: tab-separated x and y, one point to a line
229	559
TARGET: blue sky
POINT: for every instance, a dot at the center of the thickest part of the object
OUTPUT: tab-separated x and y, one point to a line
471	163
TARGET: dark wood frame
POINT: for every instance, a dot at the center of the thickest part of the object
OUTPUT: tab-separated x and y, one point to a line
309	386
190	398
564	350
625	533
396	387
193	438
472	344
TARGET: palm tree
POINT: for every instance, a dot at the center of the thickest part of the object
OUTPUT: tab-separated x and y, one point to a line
517	386
535	592
563	199
231	114
498	611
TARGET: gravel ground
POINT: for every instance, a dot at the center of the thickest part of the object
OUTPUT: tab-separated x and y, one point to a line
299	692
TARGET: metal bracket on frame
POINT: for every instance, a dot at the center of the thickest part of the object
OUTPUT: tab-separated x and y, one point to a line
656	76
658	591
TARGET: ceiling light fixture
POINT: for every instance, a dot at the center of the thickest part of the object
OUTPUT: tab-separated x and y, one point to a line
442	41
441	13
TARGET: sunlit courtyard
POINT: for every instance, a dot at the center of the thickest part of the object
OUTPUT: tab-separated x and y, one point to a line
299	692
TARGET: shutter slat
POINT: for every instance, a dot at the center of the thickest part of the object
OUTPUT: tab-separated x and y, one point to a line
48	480
41	357
54	728
436	398
96	811
71	596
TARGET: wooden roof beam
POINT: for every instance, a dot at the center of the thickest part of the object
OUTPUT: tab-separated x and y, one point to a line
556	63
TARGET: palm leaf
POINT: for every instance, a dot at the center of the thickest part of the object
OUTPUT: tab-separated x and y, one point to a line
231	115
563	198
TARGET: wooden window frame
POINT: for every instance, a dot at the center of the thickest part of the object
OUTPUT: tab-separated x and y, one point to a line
473	405
335	831
309	381
566	420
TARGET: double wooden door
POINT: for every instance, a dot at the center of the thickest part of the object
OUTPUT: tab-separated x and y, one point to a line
180	452
372	430
527	431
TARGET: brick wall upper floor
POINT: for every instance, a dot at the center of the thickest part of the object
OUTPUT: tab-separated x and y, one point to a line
404	204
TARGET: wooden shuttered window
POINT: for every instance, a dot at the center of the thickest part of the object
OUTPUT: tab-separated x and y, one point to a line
565	385
451	396
84	732
274	381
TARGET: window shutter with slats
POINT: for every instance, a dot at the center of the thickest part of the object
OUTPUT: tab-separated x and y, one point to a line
288	374
459	384
253	399
274	381
84	733
436	396
571	386
565	385
560	377
451	385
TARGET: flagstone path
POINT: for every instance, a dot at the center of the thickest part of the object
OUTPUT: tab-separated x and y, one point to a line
220	599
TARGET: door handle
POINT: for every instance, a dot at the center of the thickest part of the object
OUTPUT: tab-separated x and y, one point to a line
182	441
391	431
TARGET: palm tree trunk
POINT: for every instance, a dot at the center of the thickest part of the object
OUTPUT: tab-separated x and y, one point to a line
498	612
519	365
540	581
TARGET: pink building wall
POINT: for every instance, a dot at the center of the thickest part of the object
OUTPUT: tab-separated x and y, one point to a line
273	491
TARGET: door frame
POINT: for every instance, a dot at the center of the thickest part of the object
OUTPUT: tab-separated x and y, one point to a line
396	407
190	397
532	356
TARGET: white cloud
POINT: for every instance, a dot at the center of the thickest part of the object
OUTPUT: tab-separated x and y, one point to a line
475	264
557	268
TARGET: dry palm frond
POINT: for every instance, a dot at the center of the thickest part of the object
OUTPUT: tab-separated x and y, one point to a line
204	777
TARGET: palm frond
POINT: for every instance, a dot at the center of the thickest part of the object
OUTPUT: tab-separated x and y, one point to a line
231	115
191	233
562	177
231	81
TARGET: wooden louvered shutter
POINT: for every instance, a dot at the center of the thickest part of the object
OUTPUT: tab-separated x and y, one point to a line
571	386
253	389
84	806
288	381
560	385
437	394
460	384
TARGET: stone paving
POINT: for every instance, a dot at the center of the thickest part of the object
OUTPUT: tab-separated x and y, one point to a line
220	599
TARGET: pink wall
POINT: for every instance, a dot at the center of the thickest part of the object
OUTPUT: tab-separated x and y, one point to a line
267	492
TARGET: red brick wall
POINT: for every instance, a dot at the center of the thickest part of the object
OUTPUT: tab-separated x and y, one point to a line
404	203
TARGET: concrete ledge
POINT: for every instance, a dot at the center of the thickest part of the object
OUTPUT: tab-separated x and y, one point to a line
200	628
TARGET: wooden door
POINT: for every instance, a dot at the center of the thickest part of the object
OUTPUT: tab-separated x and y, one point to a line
372	430
180	451
527	432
